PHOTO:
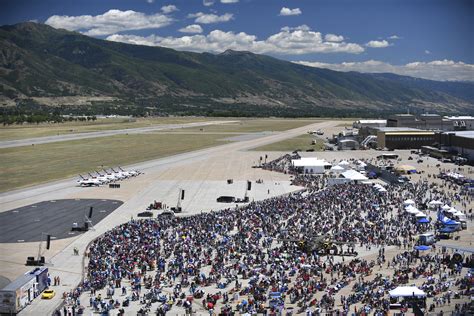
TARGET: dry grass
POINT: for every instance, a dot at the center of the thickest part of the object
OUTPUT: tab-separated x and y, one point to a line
49	129
28	165
302	143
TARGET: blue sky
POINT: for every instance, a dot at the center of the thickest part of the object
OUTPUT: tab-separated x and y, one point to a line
424	38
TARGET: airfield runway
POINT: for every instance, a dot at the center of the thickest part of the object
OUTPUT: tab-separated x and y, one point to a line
54	217
85	135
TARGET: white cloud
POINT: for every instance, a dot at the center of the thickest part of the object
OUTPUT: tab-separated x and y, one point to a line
394	37
289	41
334	38
440	70
229	1
378	44
208	18
427	52
150	1
110	22
208	3
193	28
287	11
169	8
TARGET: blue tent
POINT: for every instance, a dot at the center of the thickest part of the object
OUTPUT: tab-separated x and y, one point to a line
447	229
423	220
422	247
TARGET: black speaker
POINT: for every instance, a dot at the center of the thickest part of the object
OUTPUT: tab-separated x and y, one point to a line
41	260
182	194
90	211
249	185
86	226
48	241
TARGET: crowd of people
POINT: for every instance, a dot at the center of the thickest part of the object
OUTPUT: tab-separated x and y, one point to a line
249	259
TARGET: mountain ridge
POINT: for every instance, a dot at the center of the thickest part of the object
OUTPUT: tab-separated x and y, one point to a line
38	62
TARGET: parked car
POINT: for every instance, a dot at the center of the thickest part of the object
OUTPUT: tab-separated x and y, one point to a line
48	294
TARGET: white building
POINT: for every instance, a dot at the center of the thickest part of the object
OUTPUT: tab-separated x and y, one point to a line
369	123
311	165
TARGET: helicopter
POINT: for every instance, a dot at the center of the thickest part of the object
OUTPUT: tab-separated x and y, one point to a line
323	245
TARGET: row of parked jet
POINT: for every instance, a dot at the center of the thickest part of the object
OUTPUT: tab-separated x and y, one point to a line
109	175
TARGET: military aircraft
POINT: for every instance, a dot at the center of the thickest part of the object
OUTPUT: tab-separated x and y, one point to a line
88	182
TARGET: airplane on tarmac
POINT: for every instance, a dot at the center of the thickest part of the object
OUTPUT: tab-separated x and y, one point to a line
102	177
132	173
113	176
88	182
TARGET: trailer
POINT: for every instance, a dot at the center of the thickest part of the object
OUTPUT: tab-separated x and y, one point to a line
19	293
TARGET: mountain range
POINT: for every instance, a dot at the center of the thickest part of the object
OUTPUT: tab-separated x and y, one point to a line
45	67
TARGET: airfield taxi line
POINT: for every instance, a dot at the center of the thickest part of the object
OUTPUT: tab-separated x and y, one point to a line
108	176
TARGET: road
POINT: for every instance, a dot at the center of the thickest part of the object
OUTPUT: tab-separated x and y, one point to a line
202	173
86	135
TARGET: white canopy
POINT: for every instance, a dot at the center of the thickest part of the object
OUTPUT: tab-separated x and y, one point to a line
309	161
354	175
409	202
446	207
407	291
435	203
337	168
420	214
343	163
412	210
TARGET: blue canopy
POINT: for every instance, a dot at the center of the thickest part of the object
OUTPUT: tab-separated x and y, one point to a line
447	229
423	220
422	247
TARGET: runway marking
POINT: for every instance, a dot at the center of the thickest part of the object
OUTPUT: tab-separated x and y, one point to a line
34	205
20	240
71	233
16	211
37	220
102	211
54	237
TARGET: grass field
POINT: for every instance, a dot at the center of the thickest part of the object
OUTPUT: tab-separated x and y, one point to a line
302	142
49	129
28	165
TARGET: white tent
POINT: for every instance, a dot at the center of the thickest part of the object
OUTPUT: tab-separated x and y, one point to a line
412	210
344	164
354	175
311	165
446	207
337	169
435	203
420	214
407	291
408	202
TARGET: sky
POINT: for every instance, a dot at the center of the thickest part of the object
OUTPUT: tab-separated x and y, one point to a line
423	38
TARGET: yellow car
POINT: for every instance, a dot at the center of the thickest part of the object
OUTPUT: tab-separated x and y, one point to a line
48	294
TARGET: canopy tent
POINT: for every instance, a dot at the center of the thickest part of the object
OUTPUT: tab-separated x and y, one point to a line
445	207
447	230
337	169
412	210
420	214
343	163
422	248
354	175
423	220
408	202
435	203
405	169
407	291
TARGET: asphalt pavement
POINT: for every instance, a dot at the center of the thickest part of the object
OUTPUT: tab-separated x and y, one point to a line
55	217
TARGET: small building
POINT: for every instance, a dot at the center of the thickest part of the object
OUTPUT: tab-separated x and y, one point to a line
404	138
311	165
369	123
459	123
458	143
347	144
